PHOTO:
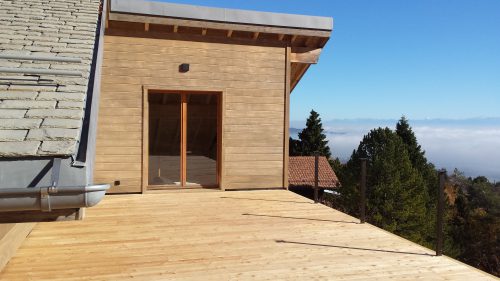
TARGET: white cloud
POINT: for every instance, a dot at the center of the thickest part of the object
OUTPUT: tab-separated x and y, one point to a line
472	148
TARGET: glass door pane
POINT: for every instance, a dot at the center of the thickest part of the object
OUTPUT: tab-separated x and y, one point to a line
201	150
164	139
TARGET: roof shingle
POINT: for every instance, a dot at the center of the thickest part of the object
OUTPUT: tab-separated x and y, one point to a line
44	28
301	172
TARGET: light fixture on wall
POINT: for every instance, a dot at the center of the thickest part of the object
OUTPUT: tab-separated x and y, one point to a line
183	68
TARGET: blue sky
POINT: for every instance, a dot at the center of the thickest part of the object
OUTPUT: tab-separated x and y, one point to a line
386	58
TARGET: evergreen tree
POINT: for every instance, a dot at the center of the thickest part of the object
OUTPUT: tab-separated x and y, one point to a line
426	170
415	152
396	193
312	138
295	147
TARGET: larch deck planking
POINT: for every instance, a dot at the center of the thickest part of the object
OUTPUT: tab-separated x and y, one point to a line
244	235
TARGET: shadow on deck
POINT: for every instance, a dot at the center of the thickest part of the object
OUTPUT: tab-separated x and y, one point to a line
247	235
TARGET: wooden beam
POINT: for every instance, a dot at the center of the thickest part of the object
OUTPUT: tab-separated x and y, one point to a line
294	37
281	36
106	16
11	238
306	56
255	35
176	28
229	33
184	109
145	139
222	149
286	125
311	41
146	26
196	37
203	31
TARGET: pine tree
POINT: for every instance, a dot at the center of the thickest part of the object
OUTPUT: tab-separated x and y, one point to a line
312	138
426	169
404	130
295	147
396	194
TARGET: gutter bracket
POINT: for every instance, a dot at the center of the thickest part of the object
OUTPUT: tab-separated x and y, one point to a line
45	200
52	189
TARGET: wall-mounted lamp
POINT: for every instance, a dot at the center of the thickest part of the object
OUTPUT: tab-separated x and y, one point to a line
183	68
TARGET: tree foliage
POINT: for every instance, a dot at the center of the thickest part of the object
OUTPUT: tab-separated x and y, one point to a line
474	226
311	140
426	169
402	195
396	193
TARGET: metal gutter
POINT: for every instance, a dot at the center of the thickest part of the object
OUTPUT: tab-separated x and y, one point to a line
51	197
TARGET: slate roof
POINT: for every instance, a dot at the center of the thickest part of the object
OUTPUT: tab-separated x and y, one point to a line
41	115
301	172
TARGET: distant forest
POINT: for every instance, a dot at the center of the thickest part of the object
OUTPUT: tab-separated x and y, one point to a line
402	190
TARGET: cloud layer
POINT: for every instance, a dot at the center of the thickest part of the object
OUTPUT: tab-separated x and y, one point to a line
472	147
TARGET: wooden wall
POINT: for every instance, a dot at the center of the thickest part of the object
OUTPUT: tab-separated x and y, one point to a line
252	82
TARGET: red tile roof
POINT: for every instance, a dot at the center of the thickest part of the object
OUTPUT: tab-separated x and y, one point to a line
301	172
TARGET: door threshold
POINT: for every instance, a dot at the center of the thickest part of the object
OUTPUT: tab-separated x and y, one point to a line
181	189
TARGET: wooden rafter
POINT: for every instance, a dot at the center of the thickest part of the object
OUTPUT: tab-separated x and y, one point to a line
146	26
229	33
311	41
255	35
176	28
203	31
281	37
294	37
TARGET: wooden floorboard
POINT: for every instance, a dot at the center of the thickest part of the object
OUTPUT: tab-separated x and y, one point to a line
243	235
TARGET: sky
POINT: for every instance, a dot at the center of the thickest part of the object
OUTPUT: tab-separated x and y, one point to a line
435	61
386	58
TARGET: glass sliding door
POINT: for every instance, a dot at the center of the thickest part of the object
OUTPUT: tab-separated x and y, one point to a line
183	138
201	139
164	139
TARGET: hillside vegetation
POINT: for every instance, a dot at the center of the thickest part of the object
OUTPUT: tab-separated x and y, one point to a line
402	190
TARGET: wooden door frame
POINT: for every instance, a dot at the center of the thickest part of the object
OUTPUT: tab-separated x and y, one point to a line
145	137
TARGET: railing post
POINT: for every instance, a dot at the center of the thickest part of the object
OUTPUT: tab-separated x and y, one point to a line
316	178
362	191
440	213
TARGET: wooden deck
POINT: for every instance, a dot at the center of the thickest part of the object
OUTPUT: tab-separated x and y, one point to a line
256	235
